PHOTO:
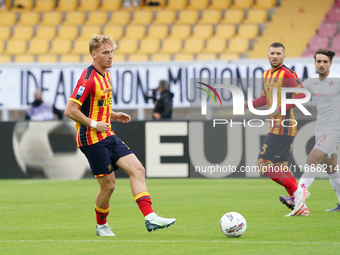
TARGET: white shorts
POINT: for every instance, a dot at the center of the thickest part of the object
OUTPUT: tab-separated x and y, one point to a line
327	141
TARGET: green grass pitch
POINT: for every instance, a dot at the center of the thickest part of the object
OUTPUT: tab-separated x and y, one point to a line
57	217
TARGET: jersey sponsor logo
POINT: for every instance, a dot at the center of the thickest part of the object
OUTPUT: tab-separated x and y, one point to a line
329	94
104	102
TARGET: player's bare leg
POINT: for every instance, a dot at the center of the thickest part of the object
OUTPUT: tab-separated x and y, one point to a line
334	178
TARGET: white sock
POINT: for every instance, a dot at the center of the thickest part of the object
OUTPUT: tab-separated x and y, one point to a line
151	216
307	178
102	225
334	179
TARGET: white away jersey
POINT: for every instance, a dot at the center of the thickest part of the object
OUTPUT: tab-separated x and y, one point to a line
326	93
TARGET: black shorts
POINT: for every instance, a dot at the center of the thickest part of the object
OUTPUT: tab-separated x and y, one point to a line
102	156
276	148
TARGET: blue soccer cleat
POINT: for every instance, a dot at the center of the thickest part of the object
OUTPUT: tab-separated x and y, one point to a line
336	209
288	201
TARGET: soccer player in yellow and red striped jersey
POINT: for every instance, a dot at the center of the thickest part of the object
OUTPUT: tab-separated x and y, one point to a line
273	159
90	106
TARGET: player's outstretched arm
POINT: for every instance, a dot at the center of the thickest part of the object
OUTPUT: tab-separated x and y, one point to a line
120	116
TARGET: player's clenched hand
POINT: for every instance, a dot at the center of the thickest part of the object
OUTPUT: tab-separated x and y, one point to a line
102	126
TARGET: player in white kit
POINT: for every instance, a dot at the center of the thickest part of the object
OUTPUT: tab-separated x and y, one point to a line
325	89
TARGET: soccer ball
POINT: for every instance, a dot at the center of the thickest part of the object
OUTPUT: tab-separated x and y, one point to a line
233	224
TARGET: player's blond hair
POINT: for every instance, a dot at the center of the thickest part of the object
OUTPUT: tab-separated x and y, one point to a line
97	41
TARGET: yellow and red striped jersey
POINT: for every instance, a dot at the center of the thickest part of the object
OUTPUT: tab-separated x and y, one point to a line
93	93
278	78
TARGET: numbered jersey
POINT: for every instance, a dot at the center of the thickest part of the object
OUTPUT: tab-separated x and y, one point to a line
93	93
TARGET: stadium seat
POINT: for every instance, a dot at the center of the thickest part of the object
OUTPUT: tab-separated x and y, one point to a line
74	18
336	4
2	46
256	16
110	5
142	18
238	45
193	45
158	31
88	5
210	17
118	58
115	31
248	31
149	46
15	47
45	32
233	16
160	57
242	4
22	32
148	4
335	46
308	53
29	19
206	56
318	42
67	32
22	5
215	45
135	32
176	4
138	57
8	18
120	18
47	58
44	5
24	58
202	31
67	5
333	15
51	18
60	47
127	46
225	31
97	18
69	58
220	4
328	29
187	17
5	33
180	31
5	59
184	57
171	46
264	4
87	32
198	4
227	56
38	46
80	47
165	17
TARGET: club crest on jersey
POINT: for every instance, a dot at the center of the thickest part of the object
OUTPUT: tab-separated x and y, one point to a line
331	83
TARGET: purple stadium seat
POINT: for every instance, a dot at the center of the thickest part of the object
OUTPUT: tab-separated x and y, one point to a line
328	29
318	42
335	43
334	15
308	53
336	4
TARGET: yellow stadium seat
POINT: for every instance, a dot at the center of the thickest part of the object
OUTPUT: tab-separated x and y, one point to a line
69	58
60	46
165	17
38	46
225	31
67	5
187	17
160	57
115	31
87	58
206	56
157	31
45	32
265	4
180	31
160	3
249	31
141	18
80	47
120	18
215	45
5	33
5	59
110	5
22	32
7	18
29	18
22	5
74	18
228	56
238	45
127	46
148	46
97	18
193	45
24	58
176	4
118	58
47	58
15	47
242	4
184	57
88	31
44	5
198	4
135	32
203	31
138	57
67	32
210	17
233	16
88	5
171	46
256	16
51	18
2	46
220	4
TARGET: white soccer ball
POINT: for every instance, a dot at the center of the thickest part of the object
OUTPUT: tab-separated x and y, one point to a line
233	224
